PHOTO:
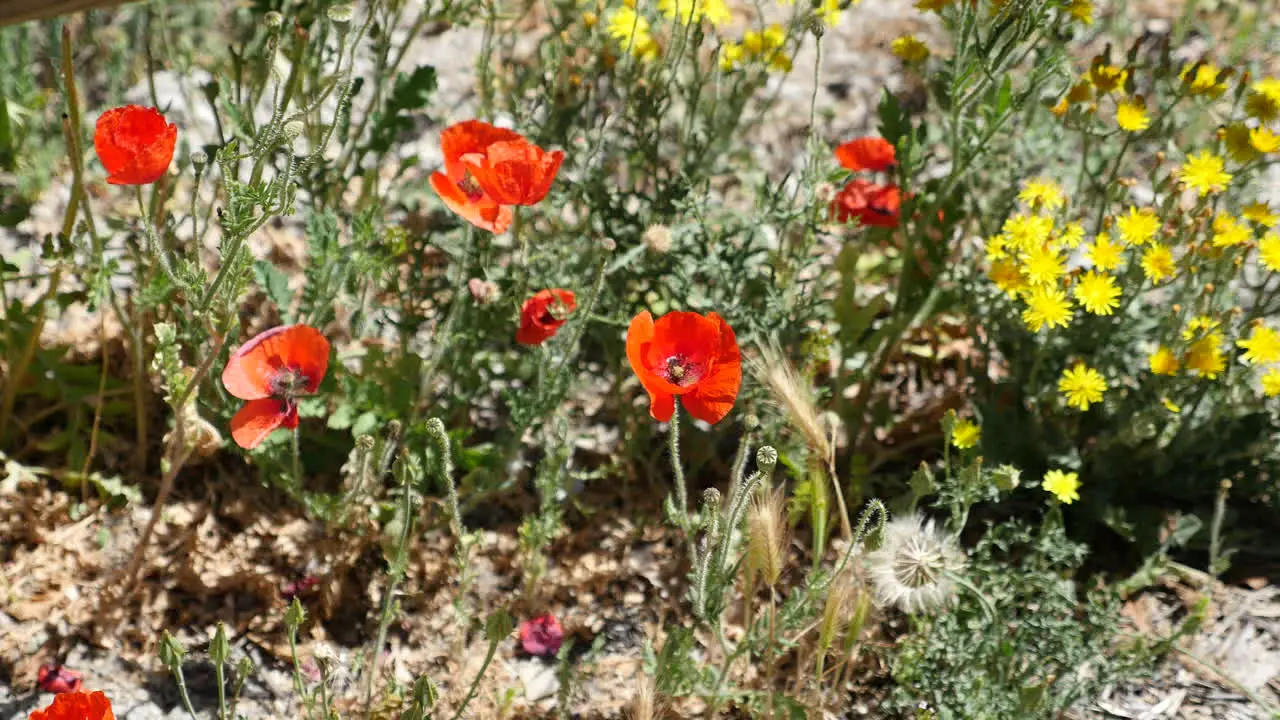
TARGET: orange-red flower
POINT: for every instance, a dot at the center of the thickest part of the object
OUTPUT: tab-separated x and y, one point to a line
76	706
271	371
686	354
135	144
869	202
543	314
488	169
867	153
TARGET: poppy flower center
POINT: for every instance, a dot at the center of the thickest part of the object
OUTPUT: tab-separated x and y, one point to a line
682	371
288	383
471	188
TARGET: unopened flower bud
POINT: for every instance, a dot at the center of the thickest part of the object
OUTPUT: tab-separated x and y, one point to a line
766	457
658	239
589	19
199	158
273	19
483	291
608	245
292	130
752	421
341	14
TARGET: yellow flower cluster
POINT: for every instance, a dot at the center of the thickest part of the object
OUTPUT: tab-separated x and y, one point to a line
767	46
633	33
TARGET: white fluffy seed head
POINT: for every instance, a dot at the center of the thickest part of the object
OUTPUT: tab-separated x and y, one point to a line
912	569
658	238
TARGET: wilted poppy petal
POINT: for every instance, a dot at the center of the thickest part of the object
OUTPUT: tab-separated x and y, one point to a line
135	144
252	369
258	419
76	706
484	213
867	153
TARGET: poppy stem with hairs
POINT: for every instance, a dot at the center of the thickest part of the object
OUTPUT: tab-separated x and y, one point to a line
297	459
682	492
176	458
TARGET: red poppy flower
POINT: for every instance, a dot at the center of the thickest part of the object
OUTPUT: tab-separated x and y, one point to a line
516	172
76	706
57	679
870	203
541	636
464	144
135	144
271	371
867	153
686	354
543	314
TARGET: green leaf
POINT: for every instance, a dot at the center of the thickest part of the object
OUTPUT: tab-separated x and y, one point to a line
276	284
6	137
412	92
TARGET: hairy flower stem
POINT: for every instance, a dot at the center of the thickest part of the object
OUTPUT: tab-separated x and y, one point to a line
398	567
682	492
475	682
297	459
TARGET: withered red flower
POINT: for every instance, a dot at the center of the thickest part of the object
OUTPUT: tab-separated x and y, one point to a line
135	144
870	203
542	635
55	678
543	314
488	169
76	706
271	371
867	153
686	354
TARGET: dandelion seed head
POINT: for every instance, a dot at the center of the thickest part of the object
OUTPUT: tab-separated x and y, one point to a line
912	568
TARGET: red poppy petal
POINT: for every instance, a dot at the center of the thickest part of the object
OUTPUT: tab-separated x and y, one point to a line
484	214
76	706
640	335
251	369
468	137
516	172
661	406
258	419
867	153
135	144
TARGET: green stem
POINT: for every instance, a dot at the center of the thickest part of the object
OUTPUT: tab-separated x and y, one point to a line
398	567
475	683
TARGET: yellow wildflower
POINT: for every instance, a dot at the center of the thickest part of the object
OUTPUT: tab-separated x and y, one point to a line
1263	140
1027	232
1107	78
965	434
1042	192
830	12
1157	263
1131	115
1097	293
1063	486
1082	386
1205	356
1262	346
632	32
1071	236
997	247
1080	92
1263	101
1236	139
1138	227
731	55
1227	232
1104	254
1269	251
1170	405
1081	10
1163	361
1199	325
1006	276
688	12
1204	81
1044	266
1047	305
1260	213
1271	383
910	48
1205	172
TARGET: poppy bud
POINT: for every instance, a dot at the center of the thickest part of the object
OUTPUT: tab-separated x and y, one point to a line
341	14
199	159
273	19
766	458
